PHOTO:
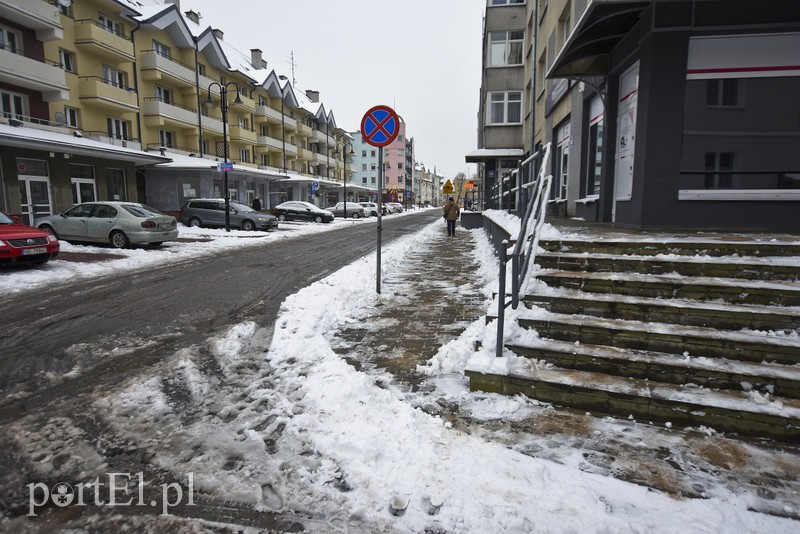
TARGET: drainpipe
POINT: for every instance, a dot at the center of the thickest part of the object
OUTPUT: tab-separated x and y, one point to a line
136	85
199	101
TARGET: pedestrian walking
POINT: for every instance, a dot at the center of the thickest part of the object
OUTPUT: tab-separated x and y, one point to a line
256	204
451	212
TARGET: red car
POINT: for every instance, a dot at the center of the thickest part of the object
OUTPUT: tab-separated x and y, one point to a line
21	244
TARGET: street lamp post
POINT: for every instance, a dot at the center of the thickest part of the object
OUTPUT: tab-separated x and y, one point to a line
344	170
283	122
223	95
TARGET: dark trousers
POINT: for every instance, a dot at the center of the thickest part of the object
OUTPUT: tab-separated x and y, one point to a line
451	227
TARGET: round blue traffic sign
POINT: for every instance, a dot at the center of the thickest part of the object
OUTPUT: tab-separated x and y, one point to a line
380	126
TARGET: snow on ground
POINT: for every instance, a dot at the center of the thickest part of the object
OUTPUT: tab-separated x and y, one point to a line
293	427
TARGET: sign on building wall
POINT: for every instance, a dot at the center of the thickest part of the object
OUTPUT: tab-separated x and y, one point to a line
626	133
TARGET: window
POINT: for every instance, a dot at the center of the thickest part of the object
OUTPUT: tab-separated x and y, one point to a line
363	153
10	40
505	48
505	108
265	160
111	25
117	128
719	161
561	174
65	9
163	94
372	153
244	123
244	155
364	180
72	116
363	166
166	138
723	93
564	26
595	163
400	166
67	60
372	180
13	105
114	77
161	49
374	167
115	179
201	69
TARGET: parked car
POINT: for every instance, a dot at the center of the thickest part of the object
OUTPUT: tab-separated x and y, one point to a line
373	208
297	210
354	210
394	207
210	212
121	224
21	244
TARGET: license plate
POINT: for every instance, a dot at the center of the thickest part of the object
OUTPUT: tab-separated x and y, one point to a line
38	250
164	226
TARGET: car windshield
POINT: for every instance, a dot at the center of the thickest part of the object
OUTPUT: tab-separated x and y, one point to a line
241	207
140	210
5	219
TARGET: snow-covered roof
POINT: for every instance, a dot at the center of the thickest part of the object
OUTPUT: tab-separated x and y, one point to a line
25	137
181	161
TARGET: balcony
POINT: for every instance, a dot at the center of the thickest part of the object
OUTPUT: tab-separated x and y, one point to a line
157	68
99	40
18	70
276	145
211	123
158	113
274	115
238	133
248	104
43	17
304	129
96	90
304	154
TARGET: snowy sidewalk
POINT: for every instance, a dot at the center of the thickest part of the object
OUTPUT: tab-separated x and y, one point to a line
433	299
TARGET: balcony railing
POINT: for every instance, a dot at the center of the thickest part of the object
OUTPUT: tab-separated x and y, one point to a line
108	92
34	73
157	107
104	41
154	64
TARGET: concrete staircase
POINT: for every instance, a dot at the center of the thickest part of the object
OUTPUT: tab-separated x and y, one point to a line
679	333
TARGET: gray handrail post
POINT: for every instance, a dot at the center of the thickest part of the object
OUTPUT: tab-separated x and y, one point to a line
501	298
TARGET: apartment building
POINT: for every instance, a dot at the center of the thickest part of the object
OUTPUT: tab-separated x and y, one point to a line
57	82
662	113
115	99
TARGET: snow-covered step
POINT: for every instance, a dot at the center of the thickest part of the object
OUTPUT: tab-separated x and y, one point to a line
706	266
655	246
675	311
714	373
676	286
742	413
696	341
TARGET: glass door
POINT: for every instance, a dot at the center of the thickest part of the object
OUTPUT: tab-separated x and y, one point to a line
34	198
83	190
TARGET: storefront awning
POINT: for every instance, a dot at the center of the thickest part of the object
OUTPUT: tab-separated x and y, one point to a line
62	143
601	27
482	154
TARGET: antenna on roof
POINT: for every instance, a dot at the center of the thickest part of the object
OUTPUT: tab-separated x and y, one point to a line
293	64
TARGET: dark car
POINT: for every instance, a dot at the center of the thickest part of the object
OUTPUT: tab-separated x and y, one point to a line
297	210
210	212
21	244
121	224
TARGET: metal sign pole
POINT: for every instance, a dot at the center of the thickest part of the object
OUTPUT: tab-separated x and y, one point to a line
380	217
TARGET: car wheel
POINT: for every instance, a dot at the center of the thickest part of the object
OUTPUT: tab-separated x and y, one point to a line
49	229
355	215
195	222
318	219
248	226
119	239
282	217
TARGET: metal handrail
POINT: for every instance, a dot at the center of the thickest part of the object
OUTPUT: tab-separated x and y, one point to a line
527	241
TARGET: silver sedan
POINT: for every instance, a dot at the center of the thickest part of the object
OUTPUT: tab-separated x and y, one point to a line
121	224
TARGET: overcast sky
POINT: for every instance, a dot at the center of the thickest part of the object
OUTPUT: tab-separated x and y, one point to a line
421	57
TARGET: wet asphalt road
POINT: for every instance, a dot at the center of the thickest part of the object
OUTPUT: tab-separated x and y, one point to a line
64	341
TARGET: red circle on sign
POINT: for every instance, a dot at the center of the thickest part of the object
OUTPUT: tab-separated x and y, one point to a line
385	137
